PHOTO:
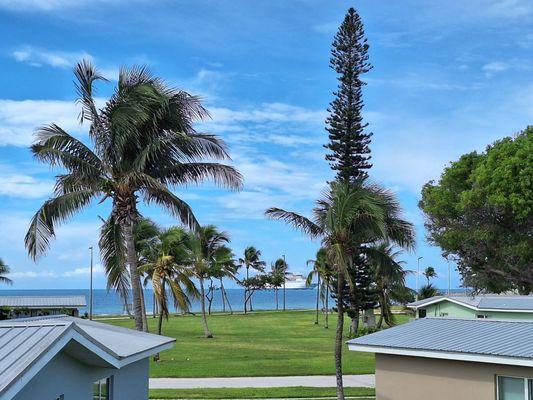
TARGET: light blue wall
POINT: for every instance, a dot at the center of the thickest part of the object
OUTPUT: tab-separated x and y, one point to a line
67	376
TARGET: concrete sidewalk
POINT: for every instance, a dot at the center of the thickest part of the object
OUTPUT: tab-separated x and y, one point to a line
261	382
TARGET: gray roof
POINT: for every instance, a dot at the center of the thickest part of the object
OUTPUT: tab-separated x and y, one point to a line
490	337
42	301
24	341
484	302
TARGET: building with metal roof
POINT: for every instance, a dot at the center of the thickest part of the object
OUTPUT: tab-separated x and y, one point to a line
481	306
452	358
34	306
71	358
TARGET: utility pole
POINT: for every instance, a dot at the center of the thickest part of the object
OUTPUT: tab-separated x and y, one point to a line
417	275
284	279
91	286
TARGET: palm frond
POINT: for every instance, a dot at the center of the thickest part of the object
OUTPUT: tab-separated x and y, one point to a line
86	75
53	212
298	221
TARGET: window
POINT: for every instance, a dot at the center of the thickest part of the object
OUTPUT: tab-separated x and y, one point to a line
443	314
102	389
421	313
513	388
482	316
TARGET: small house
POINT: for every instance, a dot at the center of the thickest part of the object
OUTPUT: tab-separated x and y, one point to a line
446	358
64	358
37	306
482	306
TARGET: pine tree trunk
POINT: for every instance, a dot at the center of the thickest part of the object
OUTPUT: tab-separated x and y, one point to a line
354	325
327	306
317	298
207	334
338	337
131	259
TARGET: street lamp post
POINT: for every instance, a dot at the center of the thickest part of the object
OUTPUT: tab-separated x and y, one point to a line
91	286
449	276
284	279
417	275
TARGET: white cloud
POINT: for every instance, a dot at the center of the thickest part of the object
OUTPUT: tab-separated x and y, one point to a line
51	5
98	269
24	186
32	274
37	57
19	119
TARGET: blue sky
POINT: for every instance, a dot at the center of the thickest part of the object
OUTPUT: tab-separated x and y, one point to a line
448	78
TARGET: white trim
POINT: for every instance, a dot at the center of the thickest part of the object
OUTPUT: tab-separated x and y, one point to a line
475	308
522	362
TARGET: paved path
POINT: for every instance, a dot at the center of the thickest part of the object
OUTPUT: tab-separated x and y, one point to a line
262	381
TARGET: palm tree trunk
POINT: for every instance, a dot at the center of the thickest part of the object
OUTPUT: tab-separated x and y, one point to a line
222	295
207	334
317	297
382	310
143	304
327	305
131	259
160	322
338	337
276	293
227	301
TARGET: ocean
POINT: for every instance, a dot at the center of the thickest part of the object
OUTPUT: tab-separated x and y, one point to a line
109	302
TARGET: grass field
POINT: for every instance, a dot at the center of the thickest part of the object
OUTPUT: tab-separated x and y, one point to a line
257	393
259	344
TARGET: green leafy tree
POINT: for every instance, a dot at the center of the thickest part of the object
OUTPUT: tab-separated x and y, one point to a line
251	259
4	270
427	291
348	141
346	218
143	143
480	213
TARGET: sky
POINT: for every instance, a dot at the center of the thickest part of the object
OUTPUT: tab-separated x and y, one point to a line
448	78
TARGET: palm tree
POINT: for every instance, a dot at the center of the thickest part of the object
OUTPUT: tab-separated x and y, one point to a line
281	265
224	266
143	143
204	245
348	216
427	291
320	270
277	278
4	270
165	264
429	273
251	260
389	277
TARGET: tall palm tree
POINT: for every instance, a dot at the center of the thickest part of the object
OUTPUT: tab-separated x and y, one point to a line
251	259
347	217
322	271
224	267
389	277
204	244
281	265
142	144
165	264
429	274
4	270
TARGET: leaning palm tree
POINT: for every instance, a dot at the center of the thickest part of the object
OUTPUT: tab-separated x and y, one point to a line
204	244
224	267
320	270
251	259
142	143
165	264
389	277
4	270
277	278
347	217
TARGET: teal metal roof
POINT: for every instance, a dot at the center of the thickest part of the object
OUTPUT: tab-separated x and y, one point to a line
483	302
42	301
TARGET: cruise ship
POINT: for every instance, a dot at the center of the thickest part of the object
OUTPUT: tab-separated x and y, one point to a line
294	281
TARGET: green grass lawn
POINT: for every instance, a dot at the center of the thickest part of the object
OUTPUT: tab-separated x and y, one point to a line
259	344
257	393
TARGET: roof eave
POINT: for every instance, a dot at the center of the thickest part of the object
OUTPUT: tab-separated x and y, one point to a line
456	356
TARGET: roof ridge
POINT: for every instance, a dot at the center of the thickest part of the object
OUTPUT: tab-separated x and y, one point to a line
486	320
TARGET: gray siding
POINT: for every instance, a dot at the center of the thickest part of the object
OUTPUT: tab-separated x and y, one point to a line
66	375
